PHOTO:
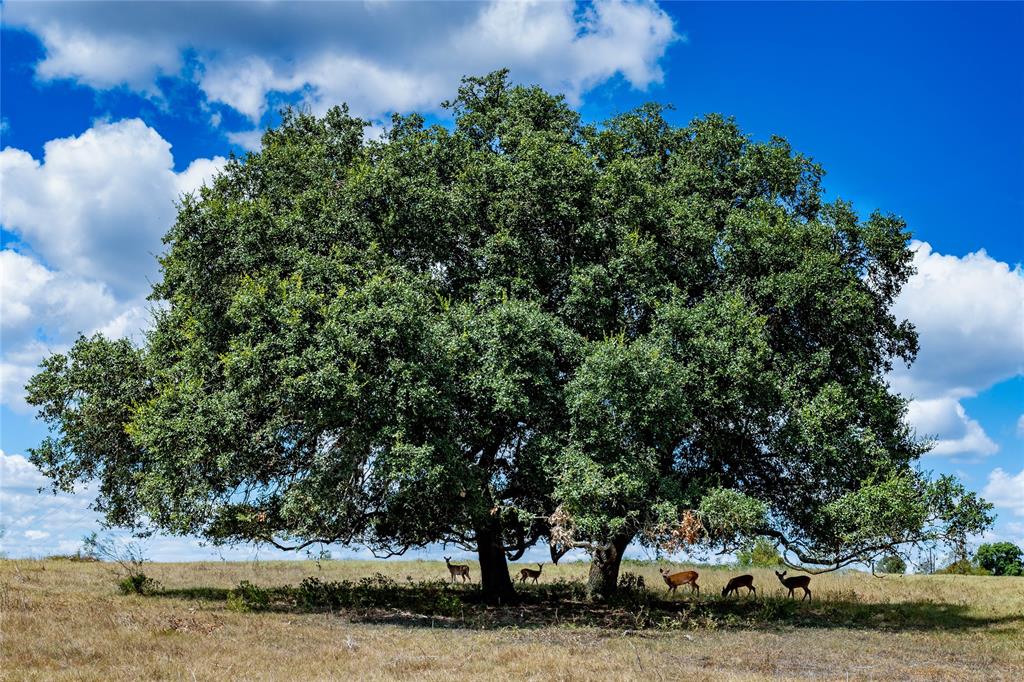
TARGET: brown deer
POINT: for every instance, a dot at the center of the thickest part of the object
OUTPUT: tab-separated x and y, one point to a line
674	580
528	573
457	569
801	581
736	583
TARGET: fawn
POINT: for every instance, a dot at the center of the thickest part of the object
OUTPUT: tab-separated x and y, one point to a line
739	581
801	581
674	580
527	573
457	569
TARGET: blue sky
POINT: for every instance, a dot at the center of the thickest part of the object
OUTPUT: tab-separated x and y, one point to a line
111	110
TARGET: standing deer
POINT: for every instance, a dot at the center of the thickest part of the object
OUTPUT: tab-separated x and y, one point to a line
739	581
527	573
674	580
801	581
457	569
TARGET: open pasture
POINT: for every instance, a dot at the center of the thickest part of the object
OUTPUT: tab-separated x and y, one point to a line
64	620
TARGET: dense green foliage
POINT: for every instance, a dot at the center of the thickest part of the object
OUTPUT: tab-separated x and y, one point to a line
761	553
1001	558
457	335
892	563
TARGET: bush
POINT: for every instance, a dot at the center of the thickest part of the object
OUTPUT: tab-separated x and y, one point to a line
892	564
761	554
1001	558
248	597
556	591
316	594
138	583
963	567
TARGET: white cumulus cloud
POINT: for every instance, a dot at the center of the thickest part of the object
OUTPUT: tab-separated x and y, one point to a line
90	215
969	314
97	204
376	56
1005	490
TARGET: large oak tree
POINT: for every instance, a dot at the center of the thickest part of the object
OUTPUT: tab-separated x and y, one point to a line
517	326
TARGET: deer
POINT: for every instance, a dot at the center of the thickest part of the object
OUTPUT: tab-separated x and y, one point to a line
736	583
528	573
457	569
801	581
674	580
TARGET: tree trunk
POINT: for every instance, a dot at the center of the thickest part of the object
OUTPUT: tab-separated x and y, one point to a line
494	578
604	567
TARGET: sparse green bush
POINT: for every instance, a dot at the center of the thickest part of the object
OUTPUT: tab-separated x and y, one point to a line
963	567
77	556
138	583
248	597
761	554
128	559
315	594
560	590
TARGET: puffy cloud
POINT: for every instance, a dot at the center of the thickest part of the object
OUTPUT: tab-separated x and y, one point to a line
1005	490
132	60
1020	426
35	521
970	318
91	215
17	472
969	313
40	304
377	56
250	140
954	432
96	206
44	310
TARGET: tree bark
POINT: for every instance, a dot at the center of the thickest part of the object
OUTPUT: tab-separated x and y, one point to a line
604	567
494	577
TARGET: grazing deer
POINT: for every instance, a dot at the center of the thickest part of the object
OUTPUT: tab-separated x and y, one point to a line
674	580
527	573
801	581
739	581
457	569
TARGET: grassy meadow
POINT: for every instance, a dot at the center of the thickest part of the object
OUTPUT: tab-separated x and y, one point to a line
66	620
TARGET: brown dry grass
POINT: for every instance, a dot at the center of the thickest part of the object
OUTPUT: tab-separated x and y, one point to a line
64	620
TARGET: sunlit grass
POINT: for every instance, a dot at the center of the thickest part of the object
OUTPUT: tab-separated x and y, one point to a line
66	620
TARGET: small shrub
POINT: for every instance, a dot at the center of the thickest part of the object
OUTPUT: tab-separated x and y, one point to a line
963	567
632	590
248	597
138	583
556	591
77	556
632	582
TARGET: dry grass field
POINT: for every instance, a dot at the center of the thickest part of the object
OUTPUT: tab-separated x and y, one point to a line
64	620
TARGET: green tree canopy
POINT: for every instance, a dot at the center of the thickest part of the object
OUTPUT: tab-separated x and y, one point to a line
892	563
1000	558
518	328
761	553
